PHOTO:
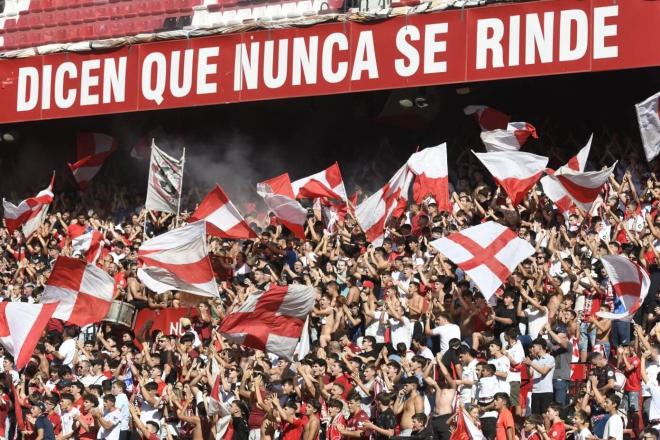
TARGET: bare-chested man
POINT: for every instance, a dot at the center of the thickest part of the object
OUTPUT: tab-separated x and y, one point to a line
445	392
408	403
313	426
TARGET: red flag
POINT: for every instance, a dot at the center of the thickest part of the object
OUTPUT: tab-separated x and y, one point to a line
29	214
488	117
327	183
430	167
18	409
465	428
21	327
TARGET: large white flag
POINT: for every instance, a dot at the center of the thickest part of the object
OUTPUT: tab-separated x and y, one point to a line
165	178
648	116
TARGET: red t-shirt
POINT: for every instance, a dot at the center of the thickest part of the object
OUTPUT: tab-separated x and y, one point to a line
4	411
344	380
504	421
634	377
557	431
356	421
293	430
88	419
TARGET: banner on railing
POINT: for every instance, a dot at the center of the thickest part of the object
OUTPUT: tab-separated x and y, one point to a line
501	41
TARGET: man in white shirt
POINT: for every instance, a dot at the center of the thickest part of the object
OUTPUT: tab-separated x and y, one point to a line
485	393
92	373
109	419
652	388
616	423
67	349
122	405
502	366
468	380
444	328
516	355
69	413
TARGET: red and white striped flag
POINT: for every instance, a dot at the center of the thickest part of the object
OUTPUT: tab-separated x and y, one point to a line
583	188
554	189
82	292
488	117
165	181
648	117
374	212
178	260
515	171
431	176
488	253
327	183
272	320
29	214
278	196
21	327
90	245
465	428
221	216
93	149
511	139
630	282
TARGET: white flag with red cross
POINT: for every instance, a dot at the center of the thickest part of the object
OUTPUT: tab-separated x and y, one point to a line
648	117
221	216
271	320
83	292
488	253
630	283
327	183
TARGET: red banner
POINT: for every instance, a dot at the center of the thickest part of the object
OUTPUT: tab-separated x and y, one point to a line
500	41
165	320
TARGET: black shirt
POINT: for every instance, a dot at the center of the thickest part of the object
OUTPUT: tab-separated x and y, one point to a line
385	420
241	430
502	312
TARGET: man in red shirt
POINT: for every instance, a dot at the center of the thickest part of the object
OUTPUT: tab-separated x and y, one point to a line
77	229
505	426
88	427
557	429
355	424
629	363
292	424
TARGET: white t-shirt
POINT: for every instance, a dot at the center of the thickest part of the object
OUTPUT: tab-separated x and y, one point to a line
400	331
92	380
376	328
68	351
614	428
652	369
543	382
517	353
502	365
122	405
584	434
113	433
469	373
486	389
654	408
68	419
536	320
446	332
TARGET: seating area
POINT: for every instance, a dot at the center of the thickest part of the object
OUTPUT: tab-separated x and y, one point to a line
31	23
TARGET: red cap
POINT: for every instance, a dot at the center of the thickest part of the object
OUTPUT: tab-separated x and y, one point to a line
368	284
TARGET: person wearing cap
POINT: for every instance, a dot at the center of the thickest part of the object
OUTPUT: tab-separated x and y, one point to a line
42	426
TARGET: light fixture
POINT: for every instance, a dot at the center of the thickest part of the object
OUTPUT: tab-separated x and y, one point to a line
406	103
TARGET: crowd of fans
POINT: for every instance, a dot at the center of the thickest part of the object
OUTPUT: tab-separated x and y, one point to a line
401	340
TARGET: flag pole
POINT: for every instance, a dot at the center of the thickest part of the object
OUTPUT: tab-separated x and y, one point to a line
178	206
